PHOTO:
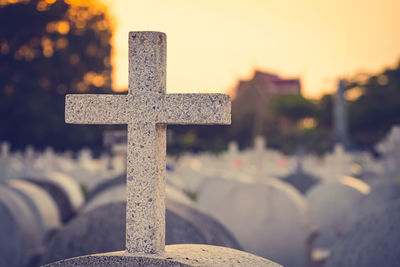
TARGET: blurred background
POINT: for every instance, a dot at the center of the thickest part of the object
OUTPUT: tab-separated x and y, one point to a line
281	62
312	155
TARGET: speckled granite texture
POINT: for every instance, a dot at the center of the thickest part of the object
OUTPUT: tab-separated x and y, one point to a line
175	255
147	109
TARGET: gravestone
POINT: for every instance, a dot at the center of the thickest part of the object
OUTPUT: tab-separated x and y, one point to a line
20	238
114	190
268	219
381	195
89	232
389	147
147	110
41	204
64	191
178	213
331	204
374	241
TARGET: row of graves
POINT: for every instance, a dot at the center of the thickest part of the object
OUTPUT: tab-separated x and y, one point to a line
290	209
255	207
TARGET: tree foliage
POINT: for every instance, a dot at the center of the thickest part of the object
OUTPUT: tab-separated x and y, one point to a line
377	109
47	49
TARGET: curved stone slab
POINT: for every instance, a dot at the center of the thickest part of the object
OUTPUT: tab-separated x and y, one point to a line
71	187
20	241
89	233
270	219
373	241
214	232
331	204
58	195
382	194
175	255
106	185
42	205
65	192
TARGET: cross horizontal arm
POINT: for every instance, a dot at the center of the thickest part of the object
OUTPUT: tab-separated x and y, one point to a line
197	109
96	109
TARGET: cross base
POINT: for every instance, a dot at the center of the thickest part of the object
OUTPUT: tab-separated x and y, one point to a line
175	255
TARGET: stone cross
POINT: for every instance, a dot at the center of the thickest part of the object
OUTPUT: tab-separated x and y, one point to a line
147	110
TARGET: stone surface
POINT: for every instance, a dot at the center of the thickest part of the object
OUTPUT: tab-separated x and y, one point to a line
268	219
381	195
114	190
331	204
175	255
89	233
64	191
147	109
40	203
374	241
20	239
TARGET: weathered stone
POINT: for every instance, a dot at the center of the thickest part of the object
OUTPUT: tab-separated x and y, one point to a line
331	204
269	219
20	239
42	205
147	110
89	233
381	195
64	191
175	255
212	231
374	241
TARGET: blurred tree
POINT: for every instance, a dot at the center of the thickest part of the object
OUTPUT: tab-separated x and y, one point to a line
376	108
47	49
325	112
296	121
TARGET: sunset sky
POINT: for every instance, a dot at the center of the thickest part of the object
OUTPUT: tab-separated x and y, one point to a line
214	43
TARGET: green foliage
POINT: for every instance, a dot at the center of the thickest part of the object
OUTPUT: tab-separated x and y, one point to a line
197	138
377	109
294	107
48	49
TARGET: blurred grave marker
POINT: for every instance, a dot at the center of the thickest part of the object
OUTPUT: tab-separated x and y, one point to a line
340	115
4	161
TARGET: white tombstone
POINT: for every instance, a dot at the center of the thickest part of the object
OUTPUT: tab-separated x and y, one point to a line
331	204
269	219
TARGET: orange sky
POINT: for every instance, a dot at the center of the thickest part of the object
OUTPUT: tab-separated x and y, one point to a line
214	43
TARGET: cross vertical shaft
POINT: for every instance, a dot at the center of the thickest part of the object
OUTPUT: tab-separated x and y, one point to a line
145	210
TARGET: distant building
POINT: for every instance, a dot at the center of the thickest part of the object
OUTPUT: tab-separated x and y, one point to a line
251	96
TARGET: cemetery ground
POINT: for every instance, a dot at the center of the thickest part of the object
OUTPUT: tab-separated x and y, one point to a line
253	207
